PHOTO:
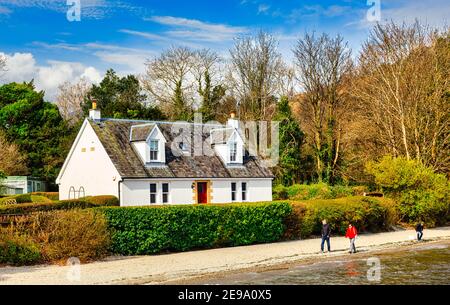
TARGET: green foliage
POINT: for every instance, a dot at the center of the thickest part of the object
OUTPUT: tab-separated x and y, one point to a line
421	194
367	214
280	192
313	191
103	200
35	126
53	196
17	250
150	230
211	96
29	208
121	98
24	198
291	140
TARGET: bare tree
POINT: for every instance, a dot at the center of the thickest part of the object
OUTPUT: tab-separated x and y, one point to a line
169	81
12	161
210	88
254	76
323	64
403	84
71	98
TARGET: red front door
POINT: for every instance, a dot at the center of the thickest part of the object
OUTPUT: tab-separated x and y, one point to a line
202	192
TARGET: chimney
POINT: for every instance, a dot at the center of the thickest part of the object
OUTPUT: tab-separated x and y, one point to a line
232	121
94	113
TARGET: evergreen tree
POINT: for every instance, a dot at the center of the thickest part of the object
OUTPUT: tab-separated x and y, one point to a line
291	140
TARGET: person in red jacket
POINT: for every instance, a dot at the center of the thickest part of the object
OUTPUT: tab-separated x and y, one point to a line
351	234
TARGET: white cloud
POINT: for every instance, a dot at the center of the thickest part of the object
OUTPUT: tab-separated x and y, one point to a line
4	11
263	8
22	67
434	13
193	29
90	9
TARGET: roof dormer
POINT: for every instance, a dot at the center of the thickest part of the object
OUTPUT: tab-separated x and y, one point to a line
228	145
149	142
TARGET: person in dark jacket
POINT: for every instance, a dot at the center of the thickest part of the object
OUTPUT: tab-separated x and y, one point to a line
419	230
325	235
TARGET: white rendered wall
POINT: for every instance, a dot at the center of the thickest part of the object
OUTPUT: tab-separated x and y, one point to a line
89	167
137	192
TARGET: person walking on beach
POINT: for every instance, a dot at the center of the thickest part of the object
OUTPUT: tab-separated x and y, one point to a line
325	235
351	234
419	230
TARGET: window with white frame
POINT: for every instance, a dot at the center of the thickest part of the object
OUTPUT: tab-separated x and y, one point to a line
154	150
233	152
233	191
153	193
165	193
244	191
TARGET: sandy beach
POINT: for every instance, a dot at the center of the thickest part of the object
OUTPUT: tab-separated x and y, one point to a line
183	267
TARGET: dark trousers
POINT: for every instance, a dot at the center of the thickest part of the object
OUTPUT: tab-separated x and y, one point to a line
419	235
327	239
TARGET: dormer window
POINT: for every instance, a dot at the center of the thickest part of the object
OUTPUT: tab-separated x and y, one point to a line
233	152
154	150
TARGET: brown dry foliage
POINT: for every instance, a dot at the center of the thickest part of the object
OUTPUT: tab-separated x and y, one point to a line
65	234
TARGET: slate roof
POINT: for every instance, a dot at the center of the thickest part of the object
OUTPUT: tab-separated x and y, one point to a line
141	132
115	136
221	136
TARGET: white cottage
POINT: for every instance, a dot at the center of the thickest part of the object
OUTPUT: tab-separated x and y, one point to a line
154	163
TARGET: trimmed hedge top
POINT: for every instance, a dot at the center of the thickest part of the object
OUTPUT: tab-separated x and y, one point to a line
146	230
85	203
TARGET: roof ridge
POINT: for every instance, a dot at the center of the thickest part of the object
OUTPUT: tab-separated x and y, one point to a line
157	122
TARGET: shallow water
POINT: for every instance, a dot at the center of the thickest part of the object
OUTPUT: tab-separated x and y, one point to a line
426	264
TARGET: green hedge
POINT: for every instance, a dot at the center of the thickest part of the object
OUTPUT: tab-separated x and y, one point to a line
24	198
85	203
28	208
53	196
17	250
313	191
147	230
105	200
366	213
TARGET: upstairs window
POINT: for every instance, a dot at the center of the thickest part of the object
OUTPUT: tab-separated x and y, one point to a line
233	152
154	150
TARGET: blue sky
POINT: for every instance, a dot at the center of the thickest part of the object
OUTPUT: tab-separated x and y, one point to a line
40	42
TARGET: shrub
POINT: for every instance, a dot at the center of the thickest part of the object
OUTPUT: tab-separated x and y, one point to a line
312	191
64	234
53	196
280	192
23	198
367	214
146	230
359	190
103	200
28	208
420	193
17	250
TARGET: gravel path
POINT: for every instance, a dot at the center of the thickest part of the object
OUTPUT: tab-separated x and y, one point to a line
178	266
